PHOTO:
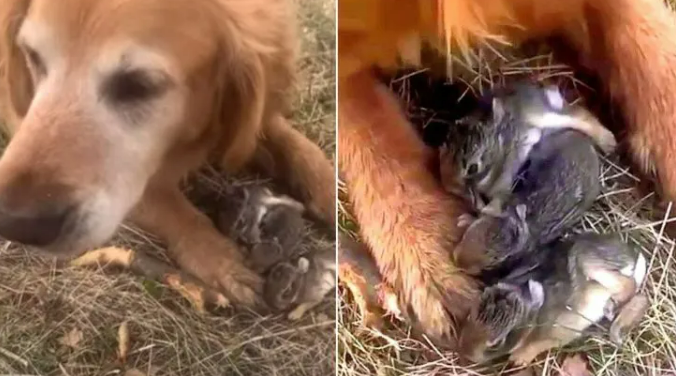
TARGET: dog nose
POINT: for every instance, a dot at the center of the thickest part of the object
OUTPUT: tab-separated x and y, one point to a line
38	227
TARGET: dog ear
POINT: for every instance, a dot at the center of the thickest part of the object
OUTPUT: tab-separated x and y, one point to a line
241	106
249	73
16	85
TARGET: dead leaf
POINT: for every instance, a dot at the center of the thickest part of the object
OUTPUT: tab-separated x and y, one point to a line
575	365
71	339
134	372
123	341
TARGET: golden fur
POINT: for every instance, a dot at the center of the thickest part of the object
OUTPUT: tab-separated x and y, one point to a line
216	75
404	218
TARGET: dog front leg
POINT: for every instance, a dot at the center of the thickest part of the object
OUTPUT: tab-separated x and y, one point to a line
404	216
298	163
196	245
632	46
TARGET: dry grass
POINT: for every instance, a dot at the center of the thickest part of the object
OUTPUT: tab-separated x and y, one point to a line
64	321
621	208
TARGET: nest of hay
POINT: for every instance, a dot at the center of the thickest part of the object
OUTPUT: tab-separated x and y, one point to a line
65	321
624	207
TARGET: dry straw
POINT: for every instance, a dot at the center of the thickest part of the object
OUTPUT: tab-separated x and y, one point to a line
621	208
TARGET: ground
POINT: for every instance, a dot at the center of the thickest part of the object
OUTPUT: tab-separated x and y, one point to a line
624	207
65	321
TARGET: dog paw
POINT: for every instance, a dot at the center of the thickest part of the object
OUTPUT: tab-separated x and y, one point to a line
220	266
436	293
441	302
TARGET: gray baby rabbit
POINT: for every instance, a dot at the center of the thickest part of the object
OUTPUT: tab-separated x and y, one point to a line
301	283
558	183
550	302
485	152
272	226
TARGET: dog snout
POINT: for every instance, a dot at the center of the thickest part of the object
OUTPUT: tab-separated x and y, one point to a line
37	226
33	211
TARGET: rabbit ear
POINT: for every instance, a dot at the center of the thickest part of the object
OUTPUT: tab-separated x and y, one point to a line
521	211
554	97
537	294
267	191
291	203
505	286
496	341
498	108
303	265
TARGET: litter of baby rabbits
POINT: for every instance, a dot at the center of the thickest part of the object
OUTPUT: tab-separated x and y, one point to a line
623	207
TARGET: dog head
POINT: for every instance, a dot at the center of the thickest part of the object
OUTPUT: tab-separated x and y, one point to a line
103	97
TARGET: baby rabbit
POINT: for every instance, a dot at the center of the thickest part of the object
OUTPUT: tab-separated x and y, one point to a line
486	152
559	182
301	283
272	226
550	302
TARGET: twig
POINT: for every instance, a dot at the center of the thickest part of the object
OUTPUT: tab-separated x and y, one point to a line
13	357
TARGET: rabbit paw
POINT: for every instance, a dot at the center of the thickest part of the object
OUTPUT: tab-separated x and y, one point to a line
464	220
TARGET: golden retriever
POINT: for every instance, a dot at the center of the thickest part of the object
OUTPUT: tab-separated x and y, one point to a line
404	216
110	103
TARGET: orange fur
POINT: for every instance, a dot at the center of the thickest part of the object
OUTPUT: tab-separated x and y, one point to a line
403	213
220	73
409	225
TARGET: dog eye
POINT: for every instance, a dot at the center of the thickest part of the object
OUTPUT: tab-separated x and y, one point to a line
35	60
128	87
